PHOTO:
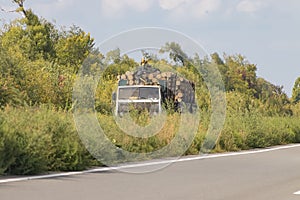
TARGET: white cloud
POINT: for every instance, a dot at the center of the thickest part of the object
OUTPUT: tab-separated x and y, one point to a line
204	7
250	6
175	8
112	8
62	3
171	4
50	7
139	5
189	9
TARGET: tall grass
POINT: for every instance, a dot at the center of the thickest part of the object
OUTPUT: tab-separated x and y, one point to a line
253	130
36	140
39	139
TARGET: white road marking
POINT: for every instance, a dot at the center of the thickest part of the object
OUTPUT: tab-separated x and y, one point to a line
144	164
297	193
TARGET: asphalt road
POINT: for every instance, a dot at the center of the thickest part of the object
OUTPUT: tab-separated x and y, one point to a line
273	175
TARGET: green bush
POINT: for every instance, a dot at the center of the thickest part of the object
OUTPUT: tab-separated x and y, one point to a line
7	148
36	140
24	152
253	130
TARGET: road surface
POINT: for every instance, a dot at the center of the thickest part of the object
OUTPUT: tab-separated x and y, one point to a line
273	175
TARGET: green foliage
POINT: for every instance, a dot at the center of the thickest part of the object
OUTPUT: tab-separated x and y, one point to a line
36	140
141	145
31	37
274	99
256	131
7	148
296	109
73	47
116	65
296	91
67	151
38	62
175	52
38	66
239	75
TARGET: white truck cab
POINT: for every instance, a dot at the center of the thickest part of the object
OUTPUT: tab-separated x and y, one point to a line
138	97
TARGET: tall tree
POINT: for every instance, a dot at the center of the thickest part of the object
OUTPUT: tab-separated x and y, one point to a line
73	47
38	62
33	36
175	52
296	91
240	75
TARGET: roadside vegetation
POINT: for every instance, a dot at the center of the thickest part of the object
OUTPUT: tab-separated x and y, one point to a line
38	67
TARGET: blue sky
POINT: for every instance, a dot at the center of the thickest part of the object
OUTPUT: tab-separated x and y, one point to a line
265	31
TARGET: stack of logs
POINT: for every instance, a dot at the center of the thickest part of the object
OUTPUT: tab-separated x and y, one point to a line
173	87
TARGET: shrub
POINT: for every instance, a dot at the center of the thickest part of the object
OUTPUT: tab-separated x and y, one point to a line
36	140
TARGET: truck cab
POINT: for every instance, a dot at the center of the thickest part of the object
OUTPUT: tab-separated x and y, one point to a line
139	97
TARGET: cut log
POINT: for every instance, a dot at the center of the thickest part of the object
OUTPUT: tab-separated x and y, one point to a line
123	77
173	86
129	77
128	73
154	80
151	76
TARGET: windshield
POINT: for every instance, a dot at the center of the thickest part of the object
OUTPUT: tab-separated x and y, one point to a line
149	93
139	93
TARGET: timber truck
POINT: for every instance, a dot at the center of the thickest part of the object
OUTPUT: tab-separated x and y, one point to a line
149	88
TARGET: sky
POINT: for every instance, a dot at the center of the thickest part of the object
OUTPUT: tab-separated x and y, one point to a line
266	32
